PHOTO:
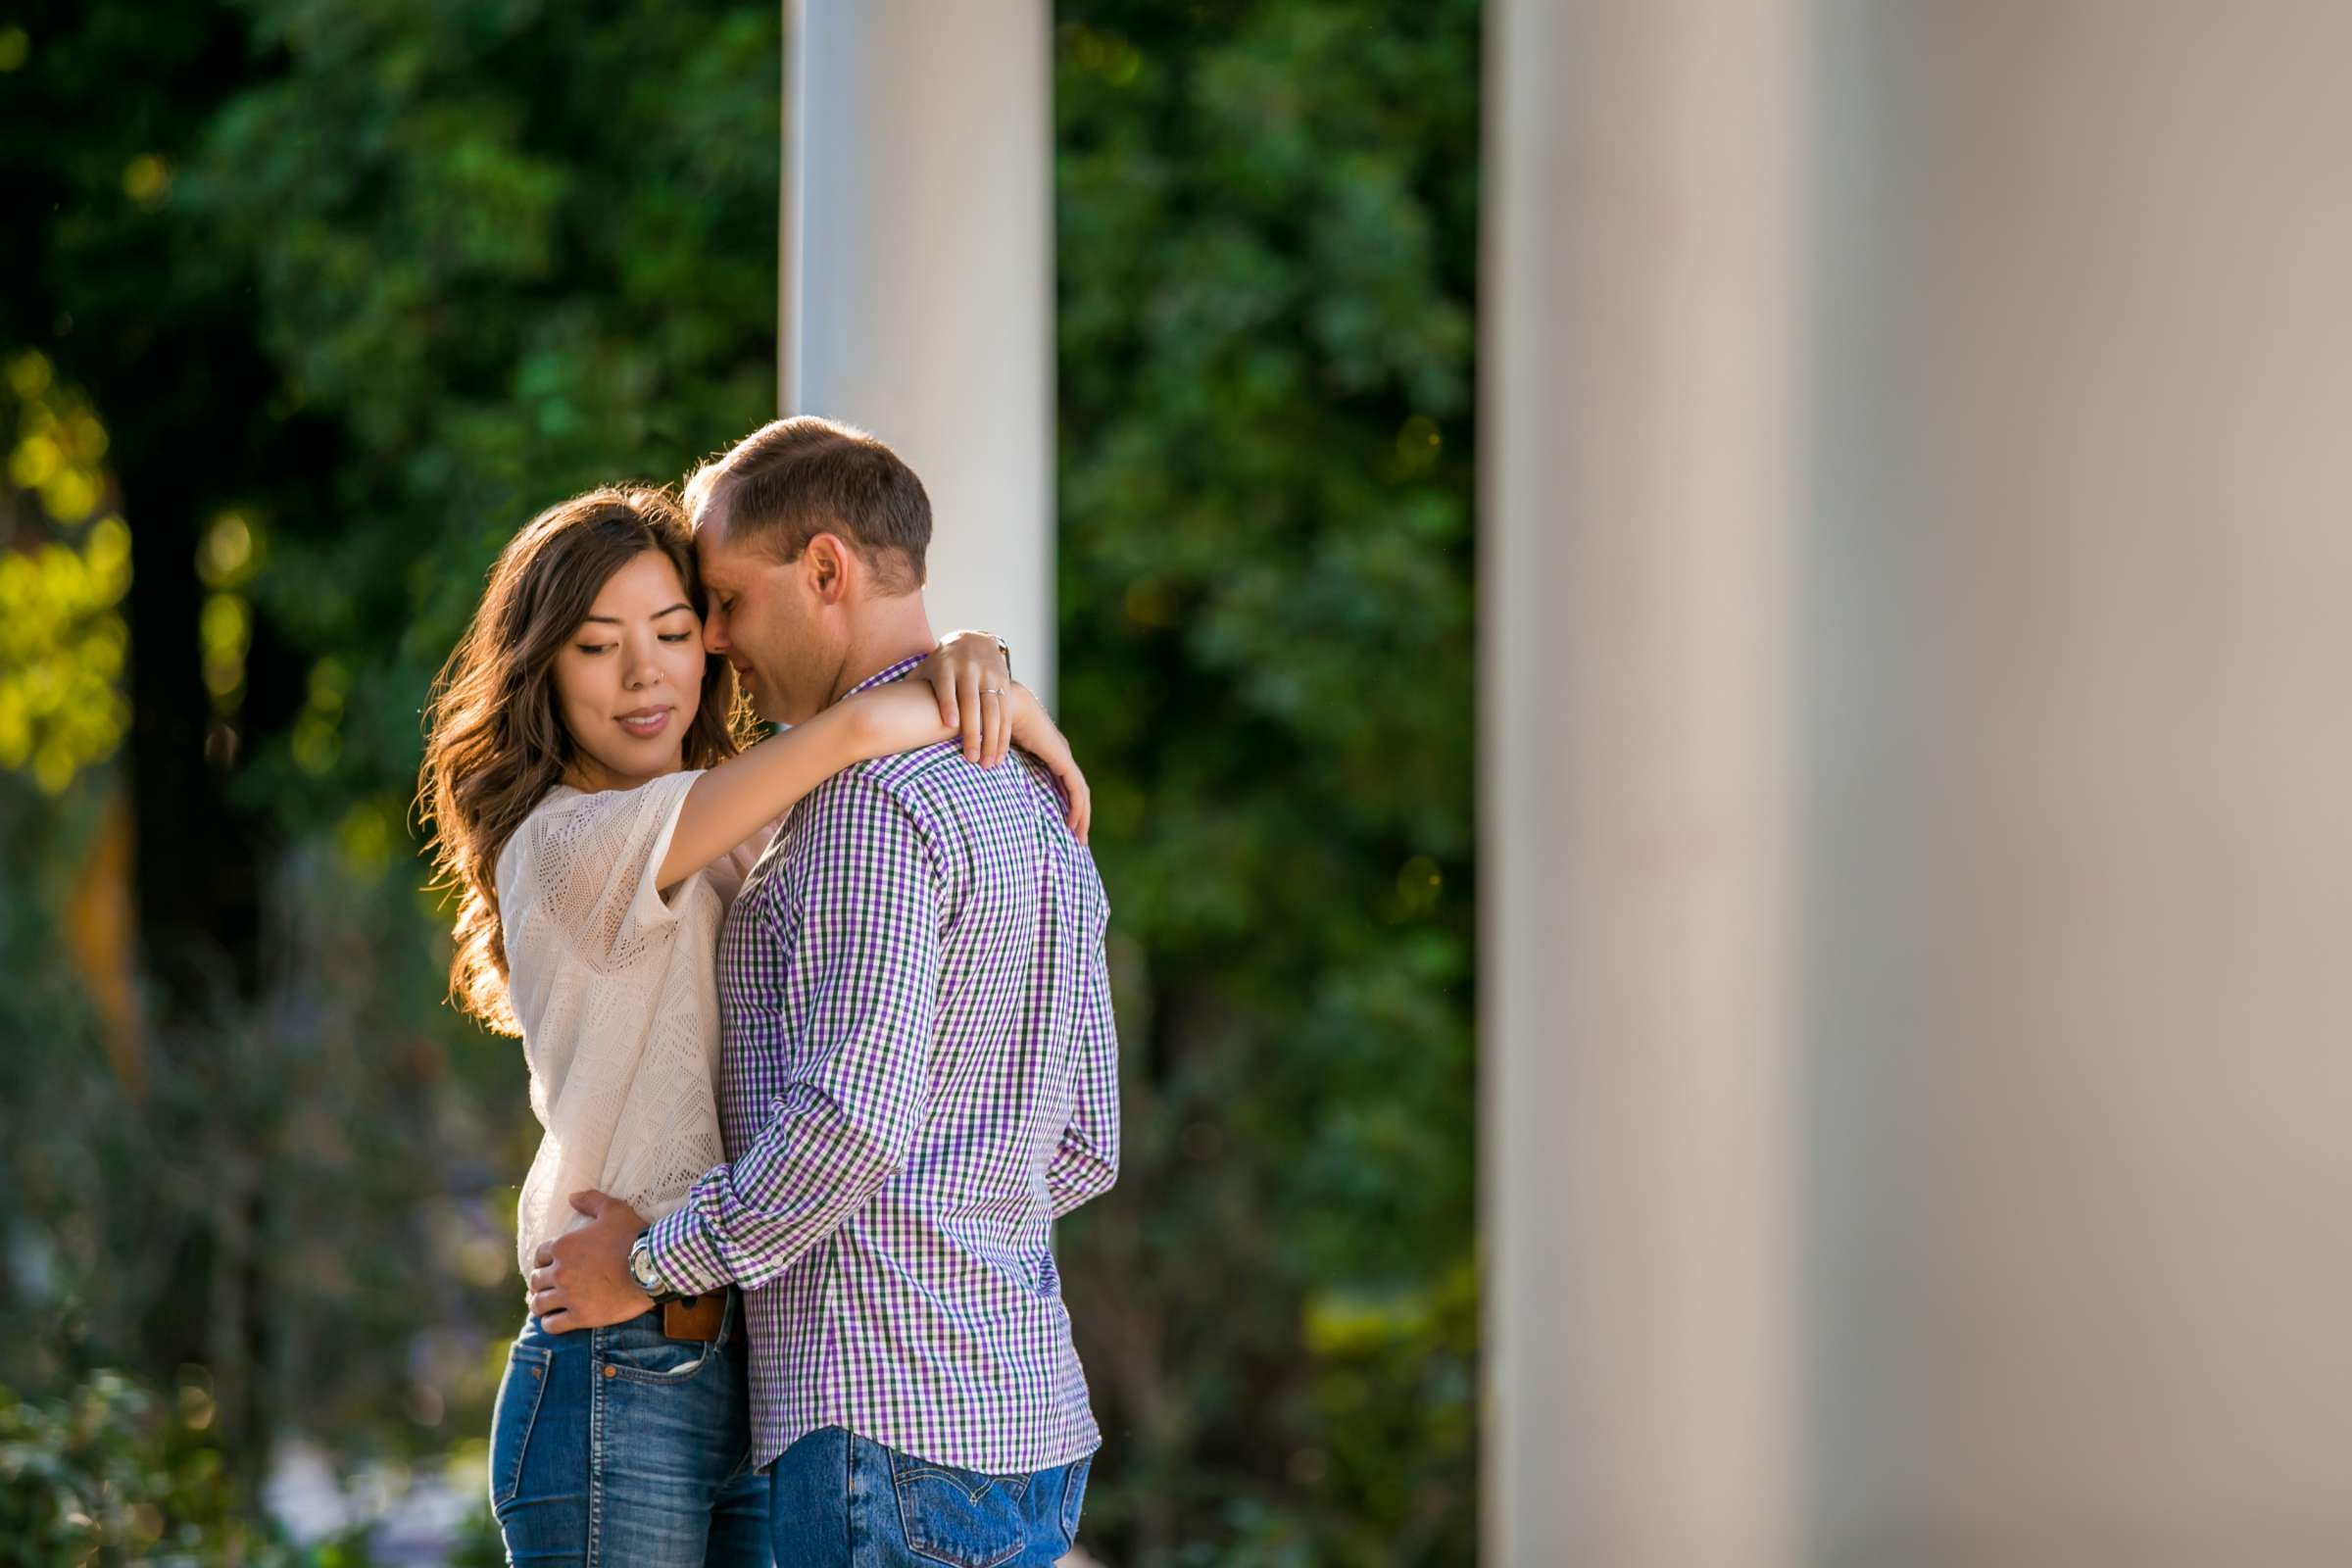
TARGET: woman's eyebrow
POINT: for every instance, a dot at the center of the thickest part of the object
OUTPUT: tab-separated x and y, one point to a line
614	620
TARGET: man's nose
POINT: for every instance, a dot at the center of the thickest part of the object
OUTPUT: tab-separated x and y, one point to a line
714	632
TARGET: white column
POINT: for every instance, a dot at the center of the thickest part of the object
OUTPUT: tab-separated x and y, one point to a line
2079	856
1918	817
917	268
1641	312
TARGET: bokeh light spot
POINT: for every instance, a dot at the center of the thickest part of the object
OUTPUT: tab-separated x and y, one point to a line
147	179
28	374
226	551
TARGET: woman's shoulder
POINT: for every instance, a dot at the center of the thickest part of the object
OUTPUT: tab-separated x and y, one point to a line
563	811
570	834
524	842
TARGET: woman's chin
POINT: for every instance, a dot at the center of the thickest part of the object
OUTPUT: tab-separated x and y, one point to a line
626	763
652	759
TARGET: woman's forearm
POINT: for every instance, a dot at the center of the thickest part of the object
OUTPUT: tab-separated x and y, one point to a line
744	793
740	796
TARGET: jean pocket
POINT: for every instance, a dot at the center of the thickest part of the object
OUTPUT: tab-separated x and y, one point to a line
1074	1499
958	1517
652	1358
516	1411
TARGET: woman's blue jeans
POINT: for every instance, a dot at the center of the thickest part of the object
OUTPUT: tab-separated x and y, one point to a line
623	1448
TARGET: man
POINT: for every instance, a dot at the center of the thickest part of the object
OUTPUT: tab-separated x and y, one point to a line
919	1074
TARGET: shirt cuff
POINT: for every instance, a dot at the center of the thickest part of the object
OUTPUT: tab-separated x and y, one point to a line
686	1255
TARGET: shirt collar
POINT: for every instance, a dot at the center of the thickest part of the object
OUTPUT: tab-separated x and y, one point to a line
885	675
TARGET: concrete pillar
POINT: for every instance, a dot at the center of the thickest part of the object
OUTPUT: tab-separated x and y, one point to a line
1919	790
1639	590
2079	863
917	277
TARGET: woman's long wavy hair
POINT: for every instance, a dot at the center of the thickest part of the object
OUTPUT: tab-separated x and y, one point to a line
493	736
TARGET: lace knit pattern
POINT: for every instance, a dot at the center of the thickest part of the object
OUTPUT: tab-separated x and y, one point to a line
615	990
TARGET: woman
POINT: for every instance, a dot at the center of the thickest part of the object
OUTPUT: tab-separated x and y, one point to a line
592	807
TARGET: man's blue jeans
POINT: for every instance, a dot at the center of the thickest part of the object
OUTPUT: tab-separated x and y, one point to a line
841	1502
623	1448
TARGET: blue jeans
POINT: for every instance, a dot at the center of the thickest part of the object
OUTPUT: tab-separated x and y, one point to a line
623	1448
841	1500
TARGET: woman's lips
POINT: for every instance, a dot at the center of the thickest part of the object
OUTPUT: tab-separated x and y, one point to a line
645	726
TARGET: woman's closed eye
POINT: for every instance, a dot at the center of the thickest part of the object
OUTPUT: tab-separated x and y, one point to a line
606	647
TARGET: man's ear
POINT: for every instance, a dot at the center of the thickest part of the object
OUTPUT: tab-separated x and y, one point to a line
827	564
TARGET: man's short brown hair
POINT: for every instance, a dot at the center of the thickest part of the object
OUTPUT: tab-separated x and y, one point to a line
793	479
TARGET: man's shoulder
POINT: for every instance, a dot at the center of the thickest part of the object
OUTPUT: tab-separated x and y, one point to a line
908	794
950	804
970	823
920	784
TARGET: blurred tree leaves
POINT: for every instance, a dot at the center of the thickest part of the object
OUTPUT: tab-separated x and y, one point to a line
62	637
1267	251
509	256
109	1473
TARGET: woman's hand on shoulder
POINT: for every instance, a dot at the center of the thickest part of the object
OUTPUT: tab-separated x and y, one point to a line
969	676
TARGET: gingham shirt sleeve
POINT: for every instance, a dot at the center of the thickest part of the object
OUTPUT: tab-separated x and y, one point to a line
1086	1163
867	958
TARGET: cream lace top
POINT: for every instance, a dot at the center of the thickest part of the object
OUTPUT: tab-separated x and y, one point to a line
617	991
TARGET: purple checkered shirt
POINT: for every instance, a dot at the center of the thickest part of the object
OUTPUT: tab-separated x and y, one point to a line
919	1073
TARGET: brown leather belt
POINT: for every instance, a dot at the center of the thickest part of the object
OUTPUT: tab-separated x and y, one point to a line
694	1317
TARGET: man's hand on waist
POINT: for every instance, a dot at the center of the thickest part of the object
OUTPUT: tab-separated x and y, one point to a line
582	1278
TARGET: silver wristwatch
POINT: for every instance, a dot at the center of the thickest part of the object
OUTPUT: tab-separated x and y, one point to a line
643	1270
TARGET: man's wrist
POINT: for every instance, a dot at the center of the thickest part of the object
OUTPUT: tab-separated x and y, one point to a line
645	1270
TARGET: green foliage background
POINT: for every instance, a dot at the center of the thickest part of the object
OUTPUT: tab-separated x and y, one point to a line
353	287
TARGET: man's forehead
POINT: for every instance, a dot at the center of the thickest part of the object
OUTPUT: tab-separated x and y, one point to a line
717	554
